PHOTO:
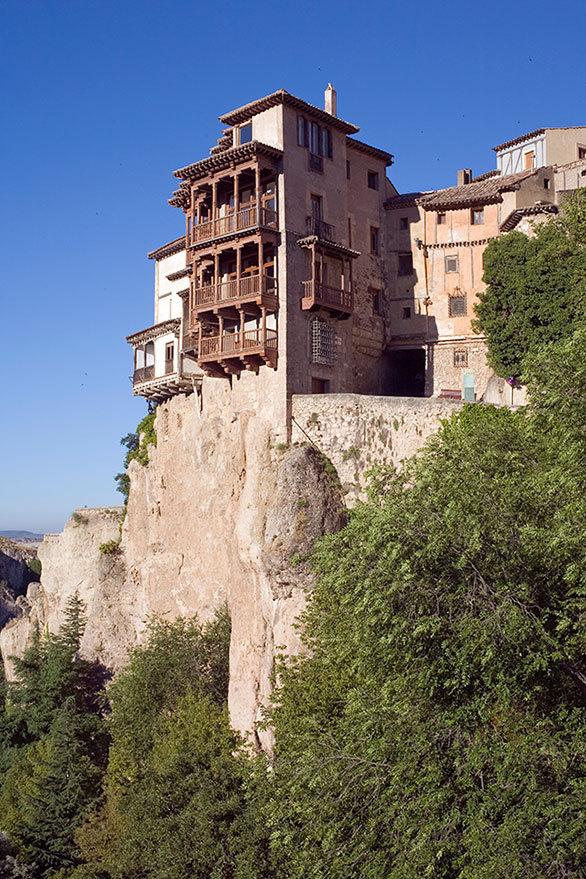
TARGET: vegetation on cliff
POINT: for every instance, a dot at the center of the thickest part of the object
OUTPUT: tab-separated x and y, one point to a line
137	446
536	288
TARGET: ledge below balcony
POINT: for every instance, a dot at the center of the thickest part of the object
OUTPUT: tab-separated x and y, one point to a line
230	353
163	386
316	295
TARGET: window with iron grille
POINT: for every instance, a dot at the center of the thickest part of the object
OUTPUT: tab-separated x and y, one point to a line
322	343
460	358
457	305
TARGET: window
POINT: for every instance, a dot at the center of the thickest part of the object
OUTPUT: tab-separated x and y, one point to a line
529	159
301	131
377	301
347	170
320	385
349	232
477	216
441	219
169	349
372	180
460	359
245	133
452	264
581	152
374	240
322	342
407	312
457	305
404	223
546	182
405	264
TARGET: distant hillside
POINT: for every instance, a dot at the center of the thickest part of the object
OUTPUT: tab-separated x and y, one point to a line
22	536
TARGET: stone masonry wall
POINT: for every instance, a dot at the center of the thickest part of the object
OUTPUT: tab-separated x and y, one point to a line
357	431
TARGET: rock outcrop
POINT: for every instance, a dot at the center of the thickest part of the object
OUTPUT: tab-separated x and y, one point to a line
217	515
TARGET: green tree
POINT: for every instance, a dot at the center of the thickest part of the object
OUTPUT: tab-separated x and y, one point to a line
178	789
137	446
437	727
55	746
535	288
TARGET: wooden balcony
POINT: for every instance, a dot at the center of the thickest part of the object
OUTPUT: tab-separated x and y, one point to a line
315	226
249	218
258	290
144	374
317	295
232	352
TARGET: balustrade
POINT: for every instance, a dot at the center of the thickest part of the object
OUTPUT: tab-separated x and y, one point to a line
246	218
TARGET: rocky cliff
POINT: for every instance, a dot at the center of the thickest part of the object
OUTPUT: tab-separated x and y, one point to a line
216	516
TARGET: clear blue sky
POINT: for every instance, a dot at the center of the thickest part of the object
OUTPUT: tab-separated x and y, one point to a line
101	100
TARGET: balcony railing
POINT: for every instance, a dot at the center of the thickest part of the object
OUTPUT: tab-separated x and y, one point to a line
315	226
143	374
235	222
237	344
230	292
317	294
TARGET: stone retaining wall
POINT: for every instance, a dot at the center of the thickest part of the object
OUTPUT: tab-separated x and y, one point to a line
357	431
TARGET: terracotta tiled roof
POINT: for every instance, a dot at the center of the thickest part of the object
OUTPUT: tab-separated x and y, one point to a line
225	159
487	191
486	175
520	139
242	114
167	326
361	147
406	200
168	249
535	133
532	211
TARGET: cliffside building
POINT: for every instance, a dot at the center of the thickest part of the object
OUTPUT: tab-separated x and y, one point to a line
303	271
279	281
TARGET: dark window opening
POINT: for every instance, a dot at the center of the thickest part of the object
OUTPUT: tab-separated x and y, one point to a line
374	240
477	216
246	133
407	312
347	170
405	263
457	306
377	301
404	223
373	180
405	373
320	385
441	219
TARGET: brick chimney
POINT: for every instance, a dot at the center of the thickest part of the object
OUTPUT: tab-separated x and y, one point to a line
331	100
464	176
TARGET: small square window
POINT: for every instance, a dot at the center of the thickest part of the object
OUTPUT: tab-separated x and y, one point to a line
529	158
377	304
460	359
373	180
320	385
374	240
406	312
441	219
452	264
245	133
405	264
404	223
477	216
457	306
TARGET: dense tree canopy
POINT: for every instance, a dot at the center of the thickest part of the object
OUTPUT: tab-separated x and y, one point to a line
536	287
438	726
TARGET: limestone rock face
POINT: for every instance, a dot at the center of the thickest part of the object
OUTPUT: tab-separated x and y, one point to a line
216	516
14	569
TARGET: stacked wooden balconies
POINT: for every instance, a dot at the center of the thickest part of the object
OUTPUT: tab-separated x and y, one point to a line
232	238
